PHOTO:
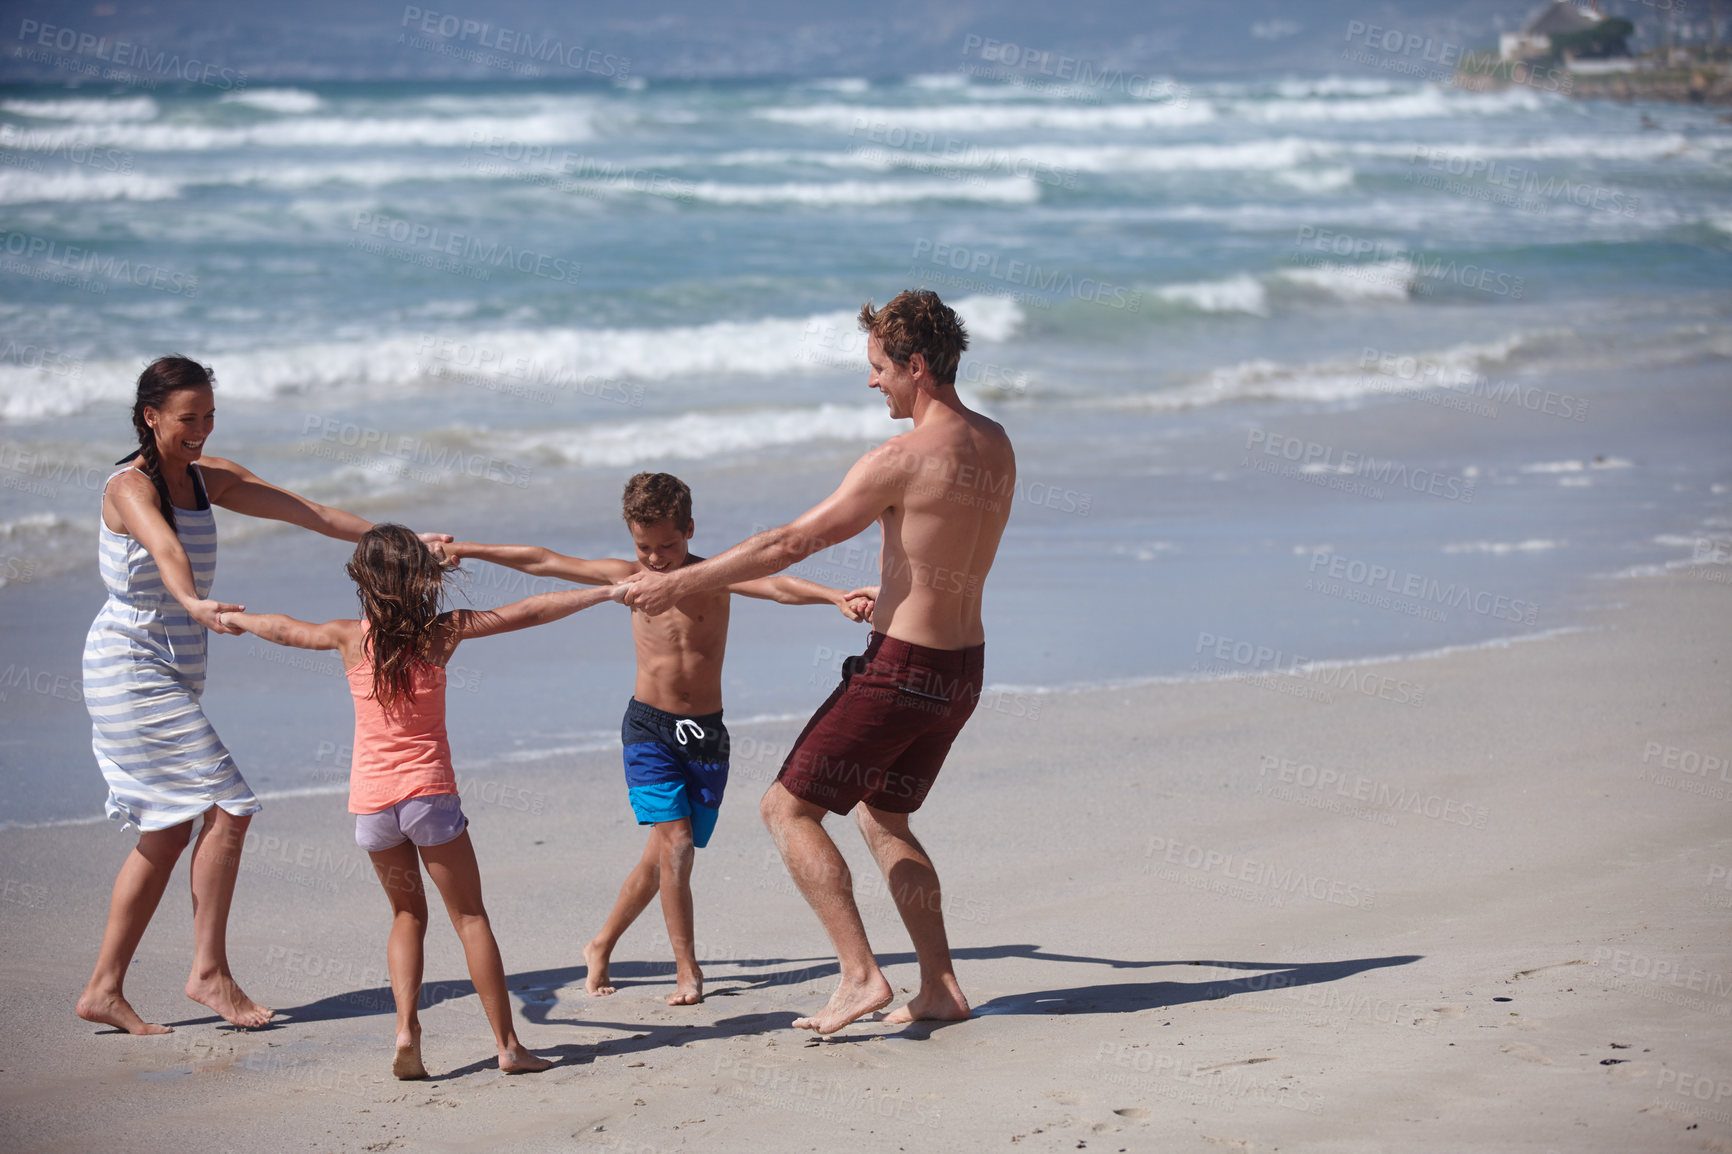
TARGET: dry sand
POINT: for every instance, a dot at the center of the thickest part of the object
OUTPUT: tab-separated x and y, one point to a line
1471	901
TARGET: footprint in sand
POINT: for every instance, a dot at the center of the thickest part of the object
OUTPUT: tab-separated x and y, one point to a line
1525	1052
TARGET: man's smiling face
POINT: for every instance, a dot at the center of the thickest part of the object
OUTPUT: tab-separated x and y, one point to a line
896	382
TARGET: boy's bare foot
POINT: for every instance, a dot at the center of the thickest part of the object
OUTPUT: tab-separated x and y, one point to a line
223	994
114	1010
518	1060
596	983
850	1001
688	990
944	1004
406	1063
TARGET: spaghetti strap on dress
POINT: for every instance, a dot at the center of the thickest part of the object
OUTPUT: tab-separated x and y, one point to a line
144	669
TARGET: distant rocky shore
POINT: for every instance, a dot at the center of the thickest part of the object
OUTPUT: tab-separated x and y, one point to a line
1696	83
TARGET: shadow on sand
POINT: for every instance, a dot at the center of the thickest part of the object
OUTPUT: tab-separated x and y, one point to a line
540	991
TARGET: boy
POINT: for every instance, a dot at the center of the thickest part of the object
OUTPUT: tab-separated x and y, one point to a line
676	748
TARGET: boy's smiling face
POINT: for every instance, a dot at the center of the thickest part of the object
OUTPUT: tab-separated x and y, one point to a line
661	545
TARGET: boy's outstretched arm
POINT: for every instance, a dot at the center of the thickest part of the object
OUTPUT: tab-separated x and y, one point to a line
536	610
540	562
787	589
281	629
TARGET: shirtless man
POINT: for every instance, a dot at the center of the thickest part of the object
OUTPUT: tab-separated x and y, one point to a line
941	494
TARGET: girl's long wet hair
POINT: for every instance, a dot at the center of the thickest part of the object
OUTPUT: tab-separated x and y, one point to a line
160	379
401	588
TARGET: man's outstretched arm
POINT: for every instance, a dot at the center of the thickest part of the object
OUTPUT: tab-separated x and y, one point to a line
869	488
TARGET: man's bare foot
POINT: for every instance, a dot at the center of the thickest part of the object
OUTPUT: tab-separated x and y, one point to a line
596	983
944	1004
518	1060
850	1001
223	994
688	990
114	1010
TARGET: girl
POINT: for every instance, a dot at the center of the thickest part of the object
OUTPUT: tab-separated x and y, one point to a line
144	670
401	784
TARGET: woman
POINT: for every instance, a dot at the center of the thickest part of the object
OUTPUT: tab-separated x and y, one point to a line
144	667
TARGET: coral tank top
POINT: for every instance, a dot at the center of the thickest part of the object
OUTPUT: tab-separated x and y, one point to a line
402	753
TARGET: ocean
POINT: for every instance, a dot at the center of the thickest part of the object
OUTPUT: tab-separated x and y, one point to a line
1302	373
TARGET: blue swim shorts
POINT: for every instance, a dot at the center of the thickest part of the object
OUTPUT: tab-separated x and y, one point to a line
675	766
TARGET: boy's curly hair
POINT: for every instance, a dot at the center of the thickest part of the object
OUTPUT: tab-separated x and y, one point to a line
651	497
916	321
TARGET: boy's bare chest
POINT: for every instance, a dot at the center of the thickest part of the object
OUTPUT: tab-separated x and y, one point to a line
697	624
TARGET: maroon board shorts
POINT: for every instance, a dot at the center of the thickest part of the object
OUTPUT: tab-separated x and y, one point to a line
881	736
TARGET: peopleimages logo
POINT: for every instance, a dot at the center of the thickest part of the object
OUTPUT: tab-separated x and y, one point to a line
465	247
990	267
454	30
89	267
122	54
1424	589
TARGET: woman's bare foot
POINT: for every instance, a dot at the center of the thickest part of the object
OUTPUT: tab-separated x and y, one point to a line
223	994
688	990
113	1010
596	983
851	1000
406	1064
945	1003
515	1059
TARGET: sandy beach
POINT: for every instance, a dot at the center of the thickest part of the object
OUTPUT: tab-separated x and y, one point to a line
1474	900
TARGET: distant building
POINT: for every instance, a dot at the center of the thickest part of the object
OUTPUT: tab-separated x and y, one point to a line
1535	38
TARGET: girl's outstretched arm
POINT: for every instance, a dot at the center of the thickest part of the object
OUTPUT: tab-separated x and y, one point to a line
537	610
280	629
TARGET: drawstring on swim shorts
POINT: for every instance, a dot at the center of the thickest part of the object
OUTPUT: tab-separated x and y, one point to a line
680	729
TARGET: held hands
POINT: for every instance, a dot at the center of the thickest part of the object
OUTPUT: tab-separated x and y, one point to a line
210	615
650	593
858	604
436	543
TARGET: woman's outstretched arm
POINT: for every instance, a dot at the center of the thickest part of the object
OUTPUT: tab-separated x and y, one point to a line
235	487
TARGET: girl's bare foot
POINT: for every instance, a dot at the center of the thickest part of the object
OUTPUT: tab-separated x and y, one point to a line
851	1000
221	993
406	1064
943	1004
517	1060
596	983
688	990
107	1009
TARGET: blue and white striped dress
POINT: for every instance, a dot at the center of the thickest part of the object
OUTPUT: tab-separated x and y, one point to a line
144	666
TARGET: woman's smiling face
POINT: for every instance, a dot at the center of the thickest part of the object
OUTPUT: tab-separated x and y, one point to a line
182	424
